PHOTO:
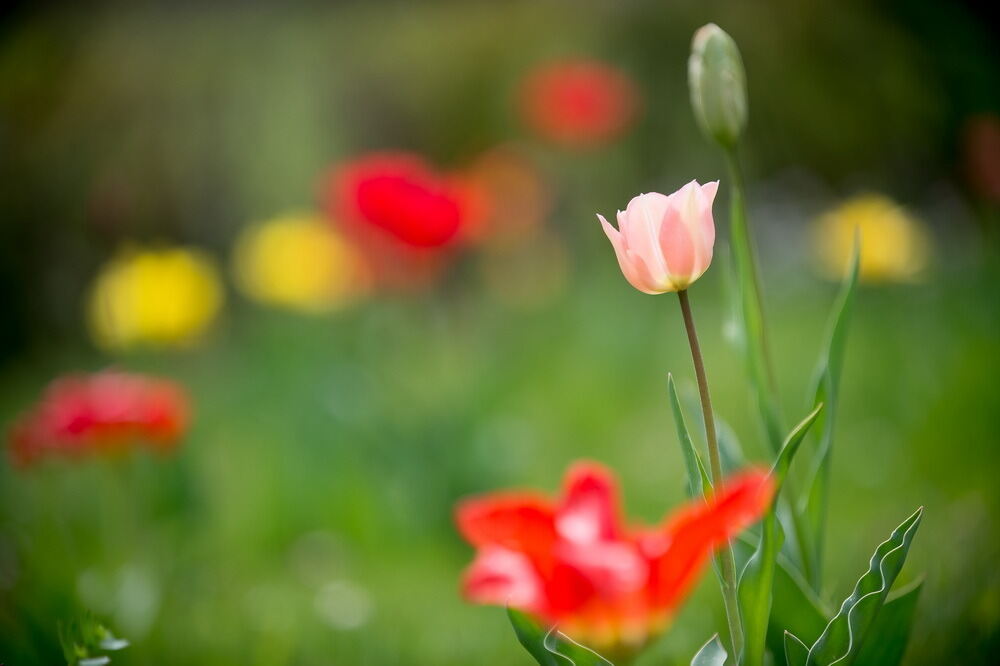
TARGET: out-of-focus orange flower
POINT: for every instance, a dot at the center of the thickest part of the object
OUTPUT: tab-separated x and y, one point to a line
574	563
86	414
298	261
578	102
154	297
402	213
981	154
895	247
518	194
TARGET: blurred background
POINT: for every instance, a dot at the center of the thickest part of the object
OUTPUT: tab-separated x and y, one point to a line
183	195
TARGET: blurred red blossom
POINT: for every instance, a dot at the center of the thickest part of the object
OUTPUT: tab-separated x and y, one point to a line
574	563
578	102
104	411
402	212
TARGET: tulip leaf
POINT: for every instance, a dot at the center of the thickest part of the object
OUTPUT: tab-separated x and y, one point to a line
796	652
696	485
711	653
889	634
826	383
845	635
748	309
757	580
551	647
794	607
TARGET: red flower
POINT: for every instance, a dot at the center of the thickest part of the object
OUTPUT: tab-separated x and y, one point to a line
108	410
574	563
402	213
578	103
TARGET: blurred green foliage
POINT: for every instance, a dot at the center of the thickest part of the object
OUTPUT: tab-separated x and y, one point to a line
307	518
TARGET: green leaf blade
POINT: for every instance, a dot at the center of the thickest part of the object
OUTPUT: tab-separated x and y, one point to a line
844	636
886	642
796	652
551	647
757	580
711	653
692	462
827	384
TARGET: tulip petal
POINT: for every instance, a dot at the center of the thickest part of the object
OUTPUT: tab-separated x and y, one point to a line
678	248
517	521
681	549
636	277
589	510
505	578
640	225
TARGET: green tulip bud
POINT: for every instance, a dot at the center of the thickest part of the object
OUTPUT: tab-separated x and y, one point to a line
718	85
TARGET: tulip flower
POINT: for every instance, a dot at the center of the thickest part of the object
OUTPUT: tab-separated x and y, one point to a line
575	564
578	103
405	216
298	261
402	196
895	246
154	297
84	414
664	243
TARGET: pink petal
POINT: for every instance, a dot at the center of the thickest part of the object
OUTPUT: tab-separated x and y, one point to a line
636	276
503	577
678	247
589	510
640	224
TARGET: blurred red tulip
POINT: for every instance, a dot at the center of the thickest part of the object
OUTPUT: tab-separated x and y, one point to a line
402	213
578	103
83	414
575	564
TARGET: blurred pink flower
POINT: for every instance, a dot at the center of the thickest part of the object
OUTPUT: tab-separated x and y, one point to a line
85	414
664	243
578	103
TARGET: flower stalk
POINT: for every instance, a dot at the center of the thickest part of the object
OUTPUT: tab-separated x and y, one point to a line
727	561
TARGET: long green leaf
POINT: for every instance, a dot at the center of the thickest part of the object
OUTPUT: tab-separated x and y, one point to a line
844	636
795	607
711	653
757	580
696	487
551	648
826	384
749	311
796	652
886	641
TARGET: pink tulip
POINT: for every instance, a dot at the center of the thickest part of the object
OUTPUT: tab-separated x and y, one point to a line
664	243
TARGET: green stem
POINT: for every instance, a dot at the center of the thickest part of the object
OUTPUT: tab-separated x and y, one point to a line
726	560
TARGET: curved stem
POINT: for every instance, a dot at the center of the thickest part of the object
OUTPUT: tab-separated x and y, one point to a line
727	563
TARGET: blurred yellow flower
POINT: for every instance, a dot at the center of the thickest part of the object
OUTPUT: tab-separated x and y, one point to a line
895	247
155	297
298	261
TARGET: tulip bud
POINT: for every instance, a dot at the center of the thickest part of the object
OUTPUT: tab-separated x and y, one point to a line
718	85
664	243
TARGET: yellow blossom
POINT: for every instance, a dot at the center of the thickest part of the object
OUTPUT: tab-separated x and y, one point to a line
297	261
895	247
154	297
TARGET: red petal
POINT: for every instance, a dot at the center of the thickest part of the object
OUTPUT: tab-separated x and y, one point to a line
589	510
522	522
681	549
